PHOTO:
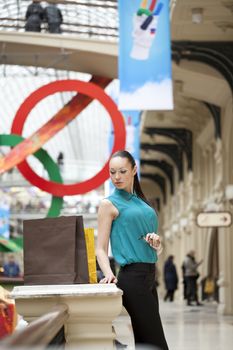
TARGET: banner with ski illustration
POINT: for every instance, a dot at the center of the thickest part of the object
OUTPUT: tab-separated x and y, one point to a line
145	55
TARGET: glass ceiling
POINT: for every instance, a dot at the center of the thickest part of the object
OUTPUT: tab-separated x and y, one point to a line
85	140
90	18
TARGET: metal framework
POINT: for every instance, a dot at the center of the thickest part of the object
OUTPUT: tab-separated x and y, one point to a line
164	166
182	136
218	55
172	150
89	18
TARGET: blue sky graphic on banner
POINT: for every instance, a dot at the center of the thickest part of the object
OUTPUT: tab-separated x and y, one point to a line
4	222
132	123
145	55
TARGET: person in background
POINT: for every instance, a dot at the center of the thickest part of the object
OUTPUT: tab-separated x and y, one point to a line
34	17
157	274
209	287
184	281
60	161
191	276
11	268
126	218
170	278
53	17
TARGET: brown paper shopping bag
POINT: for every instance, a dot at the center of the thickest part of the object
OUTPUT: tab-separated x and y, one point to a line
55	251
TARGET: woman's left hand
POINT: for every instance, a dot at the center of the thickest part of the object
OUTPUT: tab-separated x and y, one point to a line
110	278
154	240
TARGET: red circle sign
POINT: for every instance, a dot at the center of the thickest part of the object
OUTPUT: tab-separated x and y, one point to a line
94	92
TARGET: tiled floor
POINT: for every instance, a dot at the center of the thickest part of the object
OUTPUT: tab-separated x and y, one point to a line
187	327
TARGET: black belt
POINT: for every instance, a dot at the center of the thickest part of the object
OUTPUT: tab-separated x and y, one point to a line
139	267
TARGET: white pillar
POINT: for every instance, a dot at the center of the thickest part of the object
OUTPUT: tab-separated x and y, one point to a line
92	309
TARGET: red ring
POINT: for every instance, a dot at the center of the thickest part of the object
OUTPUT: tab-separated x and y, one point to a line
86	88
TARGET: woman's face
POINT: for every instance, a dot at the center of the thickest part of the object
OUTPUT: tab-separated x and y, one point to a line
122	173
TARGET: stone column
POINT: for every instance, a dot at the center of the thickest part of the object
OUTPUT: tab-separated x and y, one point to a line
225	281
92	308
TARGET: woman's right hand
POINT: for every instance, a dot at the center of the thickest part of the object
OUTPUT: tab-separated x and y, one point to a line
109	279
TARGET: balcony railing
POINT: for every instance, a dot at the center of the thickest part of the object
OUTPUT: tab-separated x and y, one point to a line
87	19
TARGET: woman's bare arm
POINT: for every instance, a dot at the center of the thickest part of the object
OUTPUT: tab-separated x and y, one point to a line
106	214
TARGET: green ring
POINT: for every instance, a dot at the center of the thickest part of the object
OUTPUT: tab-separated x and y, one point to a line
50	166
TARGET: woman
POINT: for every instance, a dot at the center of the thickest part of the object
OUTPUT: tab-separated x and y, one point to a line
130	223
170	278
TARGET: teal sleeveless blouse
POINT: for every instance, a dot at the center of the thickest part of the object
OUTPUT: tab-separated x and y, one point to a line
136	218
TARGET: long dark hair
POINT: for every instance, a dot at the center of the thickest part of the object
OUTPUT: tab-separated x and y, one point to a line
136	184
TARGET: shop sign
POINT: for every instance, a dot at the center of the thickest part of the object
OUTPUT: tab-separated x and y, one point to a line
214	219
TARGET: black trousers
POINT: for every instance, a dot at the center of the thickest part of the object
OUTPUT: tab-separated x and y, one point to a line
169	295
191	289
141	301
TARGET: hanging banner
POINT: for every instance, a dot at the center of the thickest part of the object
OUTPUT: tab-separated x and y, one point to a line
145	55
132	126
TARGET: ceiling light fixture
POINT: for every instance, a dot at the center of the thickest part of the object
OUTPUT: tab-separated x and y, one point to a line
197	15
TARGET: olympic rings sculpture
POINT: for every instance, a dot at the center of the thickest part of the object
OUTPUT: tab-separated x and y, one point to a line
55	186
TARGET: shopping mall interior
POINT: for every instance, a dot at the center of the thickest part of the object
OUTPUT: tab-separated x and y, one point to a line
186	167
